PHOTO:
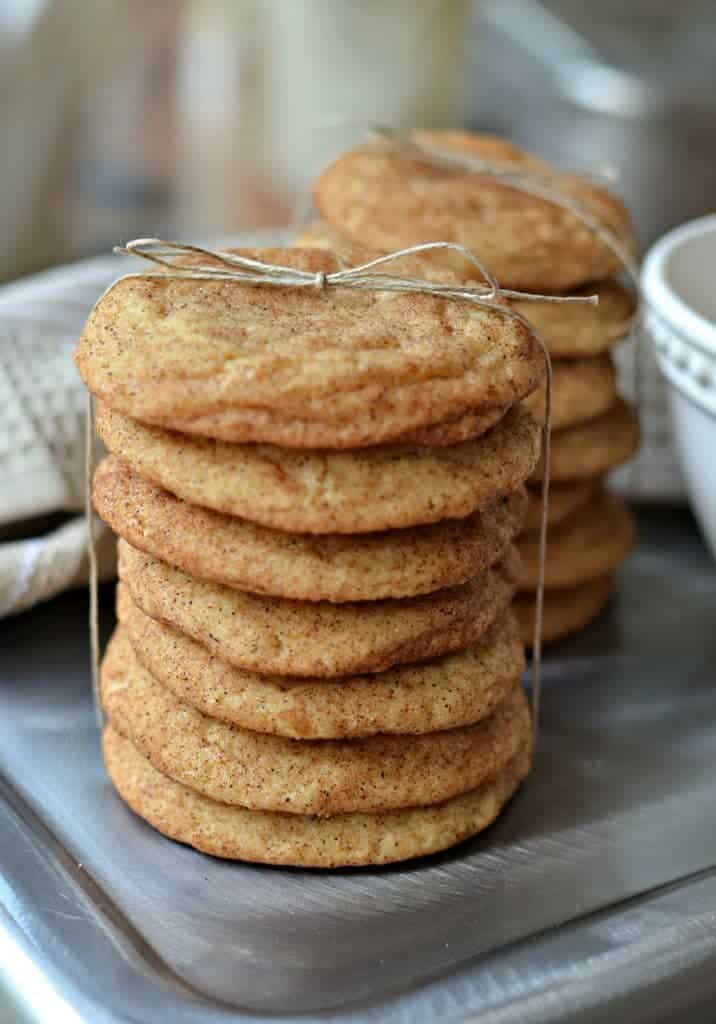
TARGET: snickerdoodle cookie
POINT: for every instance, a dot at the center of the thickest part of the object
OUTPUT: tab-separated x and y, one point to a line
591	449
330	492
582	389
564	500
565	611
384	196
338	567
587	546
577	330
272	635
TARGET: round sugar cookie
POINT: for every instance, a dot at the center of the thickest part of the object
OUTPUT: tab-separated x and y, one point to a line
271	837
593	448
587	546
566	611
564	500
385	197
330	492
339	567
582	389
458	689
272	635
299	367
272	773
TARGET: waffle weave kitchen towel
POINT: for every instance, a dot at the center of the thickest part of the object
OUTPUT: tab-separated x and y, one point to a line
42	410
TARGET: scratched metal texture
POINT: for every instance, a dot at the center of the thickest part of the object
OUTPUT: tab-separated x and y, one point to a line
594	891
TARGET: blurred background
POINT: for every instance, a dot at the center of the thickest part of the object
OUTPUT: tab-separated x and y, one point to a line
198	118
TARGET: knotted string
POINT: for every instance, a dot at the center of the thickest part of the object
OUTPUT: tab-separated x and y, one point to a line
363	277
227	266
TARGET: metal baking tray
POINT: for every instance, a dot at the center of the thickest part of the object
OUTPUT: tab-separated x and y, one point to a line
596	890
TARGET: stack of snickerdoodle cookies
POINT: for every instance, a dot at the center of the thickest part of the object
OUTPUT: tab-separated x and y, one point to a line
316	492
386	196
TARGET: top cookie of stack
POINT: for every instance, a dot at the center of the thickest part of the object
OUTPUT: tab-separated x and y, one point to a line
317	492
388	195
337	368
382	197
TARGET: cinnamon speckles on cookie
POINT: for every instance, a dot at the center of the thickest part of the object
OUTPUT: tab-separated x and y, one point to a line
333	567
300	368
458	689
250	769
274	837
295	638
383	488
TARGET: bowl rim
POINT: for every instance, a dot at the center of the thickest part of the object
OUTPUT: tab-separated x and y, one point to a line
693	328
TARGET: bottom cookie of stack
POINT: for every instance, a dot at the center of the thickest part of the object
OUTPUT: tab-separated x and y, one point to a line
269	837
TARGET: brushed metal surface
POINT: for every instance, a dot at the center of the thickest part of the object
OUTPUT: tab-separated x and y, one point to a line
621	802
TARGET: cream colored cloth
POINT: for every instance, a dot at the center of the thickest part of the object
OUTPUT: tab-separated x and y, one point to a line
42	409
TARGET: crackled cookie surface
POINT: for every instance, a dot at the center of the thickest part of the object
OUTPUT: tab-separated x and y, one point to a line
241	554
301	367
273	635
330	492
251	769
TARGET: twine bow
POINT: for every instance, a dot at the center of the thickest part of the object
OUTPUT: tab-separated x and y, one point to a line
227	266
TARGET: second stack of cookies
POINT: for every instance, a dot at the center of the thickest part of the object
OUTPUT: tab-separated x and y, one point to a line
317	494
590	530
387	195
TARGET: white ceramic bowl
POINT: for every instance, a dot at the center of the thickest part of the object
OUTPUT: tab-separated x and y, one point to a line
679	283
